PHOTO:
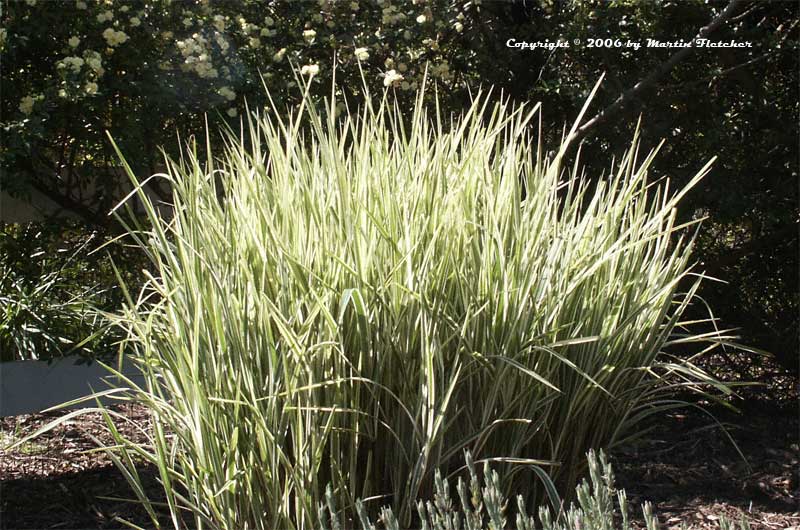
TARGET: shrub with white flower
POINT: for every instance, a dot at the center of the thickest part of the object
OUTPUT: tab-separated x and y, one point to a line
197	57
197	54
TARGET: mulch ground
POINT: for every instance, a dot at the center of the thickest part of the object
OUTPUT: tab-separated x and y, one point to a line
53	482
692	470
686	467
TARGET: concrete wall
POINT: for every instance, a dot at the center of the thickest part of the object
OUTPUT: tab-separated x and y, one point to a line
39	207
13	210
27	387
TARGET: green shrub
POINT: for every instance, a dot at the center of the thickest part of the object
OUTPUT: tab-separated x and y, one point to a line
355	301
54	290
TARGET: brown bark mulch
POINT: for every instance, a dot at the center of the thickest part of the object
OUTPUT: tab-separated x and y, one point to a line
688	468
692	472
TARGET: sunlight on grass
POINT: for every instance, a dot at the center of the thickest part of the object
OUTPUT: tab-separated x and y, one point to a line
356	301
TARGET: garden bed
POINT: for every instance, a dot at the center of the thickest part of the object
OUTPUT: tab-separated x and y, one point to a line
688	469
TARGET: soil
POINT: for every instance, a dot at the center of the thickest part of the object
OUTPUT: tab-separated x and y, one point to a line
686	466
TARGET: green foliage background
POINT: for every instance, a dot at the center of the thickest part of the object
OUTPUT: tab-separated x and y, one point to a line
739	104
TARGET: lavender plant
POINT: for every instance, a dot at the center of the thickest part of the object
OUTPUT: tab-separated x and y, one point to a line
485	507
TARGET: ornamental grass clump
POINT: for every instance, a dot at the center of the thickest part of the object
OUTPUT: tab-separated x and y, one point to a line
354	301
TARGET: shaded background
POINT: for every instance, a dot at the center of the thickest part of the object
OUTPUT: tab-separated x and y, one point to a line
740	104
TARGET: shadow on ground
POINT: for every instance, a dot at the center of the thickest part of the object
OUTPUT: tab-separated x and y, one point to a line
687	466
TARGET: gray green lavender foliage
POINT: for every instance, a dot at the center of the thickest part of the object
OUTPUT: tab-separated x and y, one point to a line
600	506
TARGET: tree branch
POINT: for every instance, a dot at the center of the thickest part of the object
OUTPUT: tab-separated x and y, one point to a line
715	77
648	82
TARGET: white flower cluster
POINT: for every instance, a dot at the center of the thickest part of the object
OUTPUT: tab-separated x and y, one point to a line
431	43
90	57
309	35
441	70
362	54
114	37
135	21
340	107
26	105
227	92
106	16
223	44
392	78
278	56
197	57
95	61
73	63
310	70
220	22
74	42
247	27
390	15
